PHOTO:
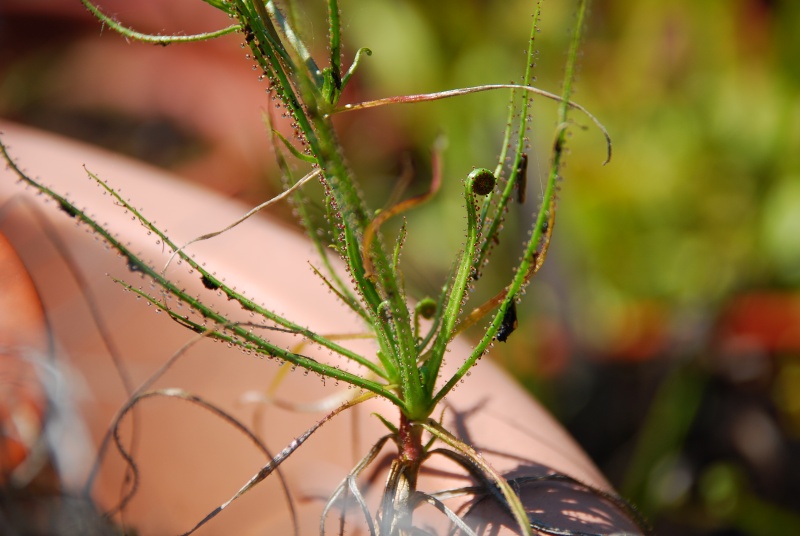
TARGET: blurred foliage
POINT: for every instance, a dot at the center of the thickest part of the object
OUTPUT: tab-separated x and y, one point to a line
664	330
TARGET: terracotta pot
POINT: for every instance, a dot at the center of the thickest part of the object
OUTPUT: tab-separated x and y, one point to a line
188	460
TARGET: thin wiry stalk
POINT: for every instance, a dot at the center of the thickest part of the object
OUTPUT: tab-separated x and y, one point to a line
130	407
98	318
418	498
346	483
275	462
222	414
250	213
158	39
427	97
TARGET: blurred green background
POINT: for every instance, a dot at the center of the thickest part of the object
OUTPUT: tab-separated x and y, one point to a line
664	330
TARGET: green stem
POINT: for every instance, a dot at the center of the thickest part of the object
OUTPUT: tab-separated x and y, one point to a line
335	42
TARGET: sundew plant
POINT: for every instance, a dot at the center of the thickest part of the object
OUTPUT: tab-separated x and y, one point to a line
411	335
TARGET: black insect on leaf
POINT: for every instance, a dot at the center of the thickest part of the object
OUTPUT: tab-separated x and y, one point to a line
210	283
509	322
522	178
